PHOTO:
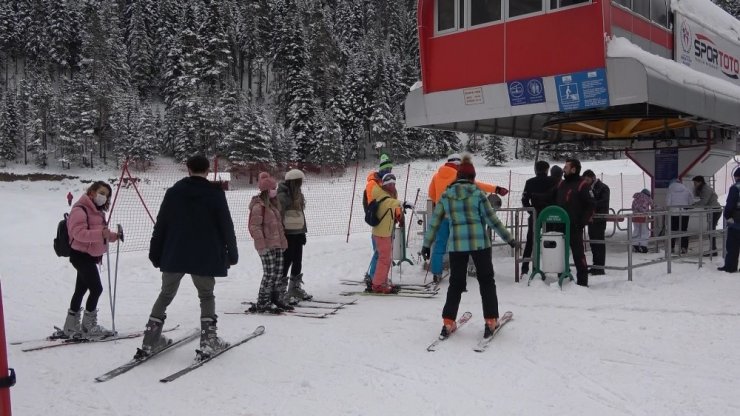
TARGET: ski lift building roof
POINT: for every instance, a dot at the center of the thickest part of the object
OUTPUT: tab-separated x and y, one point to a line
573	68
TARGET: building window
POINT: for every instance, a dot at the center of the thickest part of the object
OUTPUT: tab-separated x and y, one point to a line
642	7
659	12
445	15
522	7
625	3
554	4
484	11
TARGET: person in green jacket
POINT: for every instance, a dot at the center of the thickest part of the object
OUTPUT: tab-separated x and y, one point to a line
468	211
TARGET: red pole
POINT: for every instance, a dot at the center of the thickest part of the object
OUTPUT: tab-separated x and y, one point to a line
5	382
352	204
124	168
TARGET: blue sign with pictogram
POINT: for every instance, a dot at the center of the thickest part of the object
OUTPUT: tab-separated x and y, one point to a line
527	91
582	90
666	167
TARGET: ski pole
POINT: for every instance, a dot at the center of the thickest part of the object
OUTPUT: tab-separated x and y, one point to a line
115	275
110	295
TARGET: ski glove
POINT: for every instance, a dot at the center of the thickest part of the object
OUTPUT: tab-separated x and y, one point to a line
513	244
407	205
426	252
302	240
500	190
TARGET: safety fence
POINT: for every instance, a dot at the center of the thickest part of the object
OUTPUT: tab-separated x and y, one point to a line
333	203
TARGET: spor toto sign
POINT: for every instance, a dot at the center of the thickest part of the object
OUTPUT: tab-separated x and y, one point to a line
707	52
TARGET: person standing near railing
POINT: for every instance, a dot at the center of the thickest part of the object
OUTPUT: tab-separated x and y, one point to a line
375	180
678	198
574	196
537	194
641	203
707	199
732	216
597	227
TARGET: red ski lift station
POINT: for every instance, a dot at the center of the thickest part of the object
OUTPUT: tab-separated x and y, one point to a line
659	79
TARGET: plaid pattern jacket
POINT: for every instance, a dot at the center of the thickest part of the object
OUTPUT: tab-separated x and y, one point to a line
468	211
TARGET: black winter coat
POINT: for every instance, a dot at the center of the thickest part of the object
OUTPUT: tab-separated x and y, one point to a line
538	192
574	196
600	193
194	232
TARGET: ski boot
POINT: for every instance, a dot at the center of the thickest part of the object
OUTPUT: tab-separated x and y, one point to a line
295	288
90	327
210	343
153	339
72	326
278	299
448	327
490	327
263	306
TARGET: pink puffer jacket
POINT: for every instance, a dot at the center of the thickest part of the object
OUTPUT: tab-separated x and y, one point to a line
266	225
85	227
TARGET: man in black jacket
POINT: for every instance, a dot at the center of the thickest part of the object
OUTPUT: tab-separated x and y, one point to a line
538	194
193	234
574	196
597	227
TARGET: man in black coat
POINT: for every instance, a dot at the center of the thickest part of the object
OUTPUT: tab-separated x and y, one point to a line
574	196
597	227
538	194
193	234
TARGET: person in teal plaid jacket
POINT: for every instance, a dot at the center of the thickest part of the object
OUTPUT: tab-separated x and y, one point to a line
468	211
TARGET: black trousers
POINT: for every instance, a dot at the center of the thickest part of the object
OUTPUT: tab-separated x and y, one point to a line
597	231
680	223
458	282
733	249
88	279
293	255
529	244
579	256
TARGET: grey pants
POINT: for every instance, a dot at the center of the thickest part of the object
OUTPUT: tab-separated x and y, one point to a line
170	284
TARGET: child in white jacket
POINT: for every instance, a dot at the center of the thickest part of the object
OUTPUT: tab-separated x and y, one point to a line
679	198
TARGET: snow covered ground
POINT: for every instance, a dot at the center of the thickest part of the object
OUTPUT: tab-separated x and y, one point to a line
660	345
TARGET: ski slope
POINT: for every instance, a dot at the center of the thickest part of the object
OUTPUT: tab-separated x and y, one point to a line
660	345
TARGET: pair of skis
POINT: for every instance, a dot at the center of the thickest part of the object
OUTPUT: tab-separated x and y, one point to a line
199	361
483	343
318	309
52	342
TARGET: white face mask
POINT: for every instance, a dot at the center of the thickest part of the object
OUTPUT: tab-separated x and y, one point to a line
100	199
272	193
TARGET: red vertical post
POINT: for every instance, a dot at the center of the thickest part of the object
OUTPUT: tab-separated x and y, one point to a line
4	387
406	186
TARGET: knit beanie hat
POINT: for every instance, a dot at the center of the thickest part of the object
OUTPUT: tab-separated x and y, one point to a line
266	182
646	192
556	171
294	174
454	158
385	162
466	171
389	179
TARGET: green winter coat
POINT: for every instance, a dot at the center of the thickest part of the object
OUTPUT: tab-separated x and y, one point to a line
468	211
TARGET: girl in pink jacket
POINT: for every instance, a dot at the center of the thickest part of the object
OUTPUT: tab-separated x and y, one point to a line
89	237
266	228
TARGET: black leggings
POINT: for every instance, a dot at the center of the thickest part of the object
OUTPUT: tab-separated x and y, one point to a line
88	279
293	255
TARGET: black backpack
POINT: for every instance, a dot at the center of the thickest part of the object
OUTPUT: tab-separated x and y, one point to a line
62	245
371	212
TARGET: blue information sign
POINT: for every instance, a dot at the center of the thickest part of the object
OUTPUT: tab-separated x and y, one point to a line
666	167
527	91
582	90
